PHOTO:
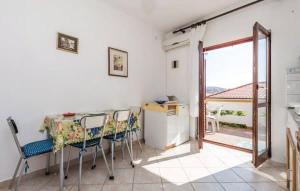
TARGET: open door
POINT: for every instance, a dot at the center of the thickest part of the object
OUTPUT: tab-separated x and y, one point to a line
202	92
261	94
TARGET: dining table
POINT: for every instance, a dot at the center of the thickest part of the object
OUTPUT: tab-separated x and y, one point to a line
65	129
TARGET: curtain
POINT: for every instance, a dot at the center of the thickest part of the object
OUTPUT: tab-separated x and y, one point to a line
195	35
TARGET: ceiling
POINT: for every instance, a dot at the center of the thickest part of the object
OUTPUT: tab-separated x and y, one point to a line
167	15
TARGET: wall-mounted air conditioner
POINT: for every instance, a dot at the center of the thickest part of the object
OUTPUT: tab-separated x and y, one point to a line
176	41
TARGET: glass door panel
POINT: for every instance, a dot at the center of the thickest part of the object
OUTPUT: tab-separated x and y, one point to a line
262	130
261	94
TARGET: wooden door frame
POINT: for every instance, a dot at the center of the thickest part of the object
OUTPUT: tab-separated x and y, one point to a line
259	160
201	118
202	90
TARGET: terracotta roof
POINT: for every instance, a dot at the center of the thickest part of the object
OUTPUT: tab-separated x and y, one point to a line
241	92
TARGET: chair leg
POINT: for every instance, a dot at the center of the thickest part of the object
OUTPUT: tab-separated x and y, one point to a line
131	159
138	140
112	160
55	162
106	164
48	164
20	175
68	164
80	169
122	147
94	158
15	173
214	126
131	141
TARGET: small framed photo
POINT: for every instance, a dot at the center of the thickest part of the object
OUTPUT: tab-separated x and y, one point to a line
67	43
117	62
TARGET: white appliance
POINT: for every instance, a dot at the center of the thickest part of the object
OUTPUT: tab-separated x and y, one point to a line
177	41
166	125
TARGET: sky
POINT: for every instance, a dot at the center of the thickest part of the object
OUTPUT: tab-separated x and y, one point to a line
229	67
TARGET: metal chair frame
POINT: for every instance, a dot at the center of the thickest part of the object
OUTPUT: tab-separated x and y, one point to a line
23	160
120	116
84	124
131	132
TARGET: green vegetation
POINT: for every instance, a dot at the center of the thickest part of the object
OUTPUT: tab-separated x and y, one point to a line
235	125
231	112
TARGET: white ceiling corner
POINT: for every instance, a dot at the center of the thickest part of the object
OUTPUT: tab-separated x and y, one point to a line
167	15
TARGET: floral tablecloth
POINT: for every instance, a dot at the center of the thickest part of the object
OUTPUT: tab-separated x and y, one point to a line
67	130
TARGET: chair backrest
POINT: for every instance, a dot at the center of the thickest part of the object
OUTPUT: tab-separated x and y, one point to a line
136	109
95	121
121	116
14	130
135	112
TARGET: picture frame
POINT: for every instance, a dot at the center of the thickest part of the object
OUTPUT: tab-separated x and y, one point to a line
117	62
67	43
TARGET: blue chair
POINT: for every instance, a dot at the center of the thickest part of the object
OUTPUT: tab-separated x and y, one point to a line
120	116
27	151
95	123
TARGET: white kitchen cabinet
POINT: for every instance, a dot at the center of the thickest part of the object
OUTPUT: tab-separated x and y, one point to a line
166	125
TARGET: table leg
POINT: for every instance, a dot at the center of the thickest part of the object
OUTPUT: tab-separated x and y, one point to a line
48	164
61	170
131	140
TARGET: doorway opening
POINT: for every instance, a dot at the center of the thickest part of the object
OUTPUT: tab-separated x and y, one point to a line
261	93
229	94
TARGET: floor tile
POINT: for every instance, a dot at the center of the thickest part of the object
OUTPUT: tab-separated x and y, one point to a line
175	187
71	180
147	175
121	163
36	182
246	164
87	187
211	161
199	175
231	161
271	163
251	175
266	186
182	168
29	188
190	161
237	187
122	176
274	174
207	187
170	163
282	184
173	175
55	188
96	176
147	187
147	160
117	187
226	176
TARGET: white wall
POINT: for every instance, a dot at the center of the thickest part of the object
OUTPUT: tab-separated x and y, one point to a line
246	107
282	17
36	79
177	81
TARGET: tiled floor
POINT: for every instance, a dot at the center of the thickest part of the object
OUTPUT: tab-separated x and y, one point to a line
183	168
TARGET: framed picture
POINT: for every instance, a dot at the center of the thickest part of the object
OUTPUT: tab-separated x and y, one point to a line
117	62
67	43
